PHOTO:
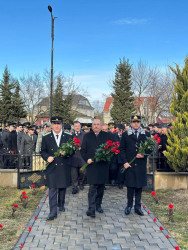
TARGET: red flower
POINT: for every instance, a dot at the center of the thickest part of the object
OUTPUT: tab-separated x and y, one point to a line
113	150
44	201
144	206
118	151
33	186
29	229
117	143
46	195
38	207
167	236
15	205
170	206
23	193
1	226
156	136
148	212
25	197
21	245
177	247
158	140
109	142
106	147
154	219
13	152
114	131
76	141
161	228
35	217
153	193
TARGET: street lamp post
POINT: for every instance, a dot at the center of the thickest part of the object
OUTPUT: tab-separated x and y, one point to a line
52	36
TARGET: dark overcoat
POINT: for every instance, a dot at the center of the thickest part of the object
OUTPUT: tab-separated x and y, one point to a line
12	141
77	160
57	172
136	175
97	172
28	144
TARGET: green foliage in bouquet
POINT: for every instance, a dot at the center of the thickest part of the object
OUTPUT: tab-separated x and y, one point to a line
104	152
145	148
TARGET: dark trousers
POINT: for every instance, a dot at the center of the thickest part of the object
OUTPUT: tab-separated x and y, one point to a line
77	177
95	195
131	191
120	176
113	170
56	199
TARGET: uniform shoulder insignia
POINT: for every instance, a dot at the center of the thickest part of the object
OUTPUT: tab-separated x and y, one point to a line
47	133
68	133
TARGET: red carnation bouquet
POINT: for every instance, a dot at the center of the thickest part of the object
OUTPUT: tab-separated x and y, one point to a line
104	152
68	148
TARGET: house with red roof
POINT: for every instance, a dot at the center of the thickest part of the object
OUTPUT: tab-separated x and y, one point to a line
145	106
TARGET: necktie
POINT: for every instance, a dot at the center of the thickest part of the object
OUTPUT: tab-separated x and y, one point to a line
57	136
135	132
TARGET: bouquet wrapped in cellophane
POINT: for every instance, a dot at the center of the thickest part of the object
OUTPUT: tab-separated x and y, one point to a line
104	153
147	146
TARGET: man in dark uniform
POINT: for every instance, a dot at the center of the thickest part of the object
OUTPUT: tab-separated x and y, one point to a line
12	146
97	172
77	177
5	136
135	174
58	170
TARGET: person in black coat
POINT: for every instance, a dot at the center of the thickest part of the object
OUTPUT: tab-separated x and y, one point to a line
58	170
77	177
135	174
97	172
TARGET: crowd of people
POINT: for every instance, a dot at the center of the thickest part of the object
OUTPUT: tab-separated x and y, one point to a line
24	140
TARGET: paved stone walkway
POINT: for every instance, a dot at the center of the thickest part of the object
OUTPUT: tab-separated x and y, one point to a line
110	230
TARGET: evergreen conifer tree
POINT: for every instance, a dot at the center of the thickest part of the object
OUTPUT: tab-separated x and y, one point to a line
18	104
6	108
62	105
123	103
177	148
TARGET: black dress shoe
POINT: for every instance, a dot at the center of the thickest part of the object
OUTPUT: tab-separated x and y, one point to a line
139	211
127	210
51	217
81	187
91	214
74	190
99	210
61	209
120	186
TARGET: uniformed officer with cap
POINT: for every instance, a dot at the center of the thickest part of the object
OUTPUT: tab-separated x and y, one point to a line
58	170
135	174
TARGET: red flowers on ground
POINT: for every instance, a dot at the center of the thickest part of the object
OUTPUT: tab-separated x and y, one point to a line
23	193
21	245
153	193
167	236
148	212
170	206
177	247
144	206
1	226
15	205
154	219
35	217
33	186
44	201
29	229
25	197
46	195
161	228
